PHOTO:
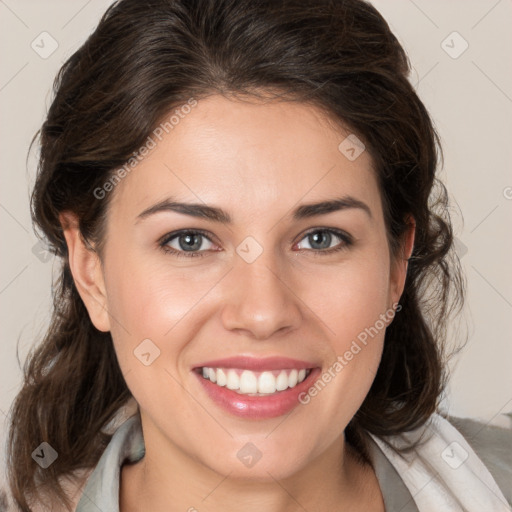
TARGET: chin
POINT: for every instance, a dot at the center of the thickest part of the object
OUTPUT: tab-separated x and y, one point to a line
247	462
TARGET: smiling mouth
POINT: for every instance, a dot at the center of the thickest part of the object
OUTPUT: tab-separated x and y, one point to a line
247	382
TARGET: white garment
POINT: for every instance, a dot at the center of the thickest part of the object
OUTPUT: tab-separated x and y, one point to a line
443	473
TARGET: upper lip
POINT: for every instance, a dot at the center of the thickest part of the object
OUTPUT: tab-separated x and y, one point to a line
257	363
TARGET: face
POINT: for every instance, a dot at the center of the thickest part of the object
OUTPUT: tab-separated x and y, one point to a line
284	306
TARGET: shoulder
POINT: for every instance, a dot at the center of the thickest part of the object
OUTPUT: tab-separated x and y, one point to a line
492	442
465	461
73	486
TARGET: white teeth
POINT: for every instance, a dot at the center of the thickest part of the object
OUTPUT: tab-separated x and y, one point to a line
247	382
292	378
267	383
282	381
221	377
233	381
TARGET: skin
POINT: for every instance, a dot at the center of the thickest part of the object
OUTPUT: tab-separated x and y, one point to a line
258	161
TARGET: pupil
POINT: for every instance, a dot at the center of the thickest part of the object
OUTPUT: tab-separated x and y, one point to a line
318	235
192	242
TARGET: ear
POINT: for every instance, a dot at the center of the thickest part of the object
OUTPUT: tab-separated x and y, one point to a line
85	266
399	266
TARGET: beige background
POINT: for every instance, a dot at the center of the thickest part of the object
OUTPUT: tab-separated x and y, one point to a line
469	97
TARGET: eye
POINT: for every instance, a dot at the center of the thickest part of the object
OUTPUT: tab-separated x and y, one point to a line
191	243
186	243
320	241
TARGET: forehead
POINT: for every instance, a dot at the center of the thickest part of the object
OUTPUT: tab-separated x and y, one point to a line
250	157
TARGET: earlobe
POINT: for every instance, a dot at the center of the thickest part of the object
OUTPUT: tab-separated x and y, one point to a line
399	268
85	266
409	237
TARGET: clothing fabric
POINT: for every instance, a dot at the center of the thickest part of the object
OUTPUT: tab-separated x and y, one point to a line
443	473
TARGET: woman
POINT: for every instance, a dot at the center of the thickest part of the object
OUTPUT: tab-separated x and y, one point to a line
242	197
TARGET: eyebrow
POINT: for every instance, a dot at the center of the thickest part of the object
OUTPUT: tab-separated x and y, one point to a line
215	214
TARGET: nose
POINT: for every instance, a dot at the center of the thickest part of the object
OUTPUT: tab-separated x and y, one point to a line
261	300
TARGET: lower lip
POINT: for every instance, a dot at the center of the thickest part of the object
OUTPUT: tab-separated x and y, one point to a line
257	407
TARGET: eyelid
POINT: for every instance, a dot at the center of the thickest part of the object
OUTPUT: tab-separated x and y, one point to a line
173	234
338	232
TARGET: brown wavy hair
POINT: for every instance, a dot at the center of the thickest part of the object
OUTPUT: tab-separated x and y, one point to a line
146	58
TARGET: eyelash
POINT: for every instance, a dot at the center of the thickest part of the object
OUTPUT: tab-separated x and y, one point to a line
346	239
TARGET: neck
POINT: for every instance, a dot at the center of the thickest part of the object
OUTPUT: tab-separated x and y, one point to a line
335	480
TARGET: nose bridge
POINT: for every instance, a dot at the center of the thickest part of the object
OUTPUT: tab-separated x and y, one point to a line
261	301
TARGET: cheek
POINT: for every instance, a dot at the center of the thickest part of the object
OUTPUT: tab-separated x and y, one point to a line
353	305
150	297
143	302
152	300
150	306
349	299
